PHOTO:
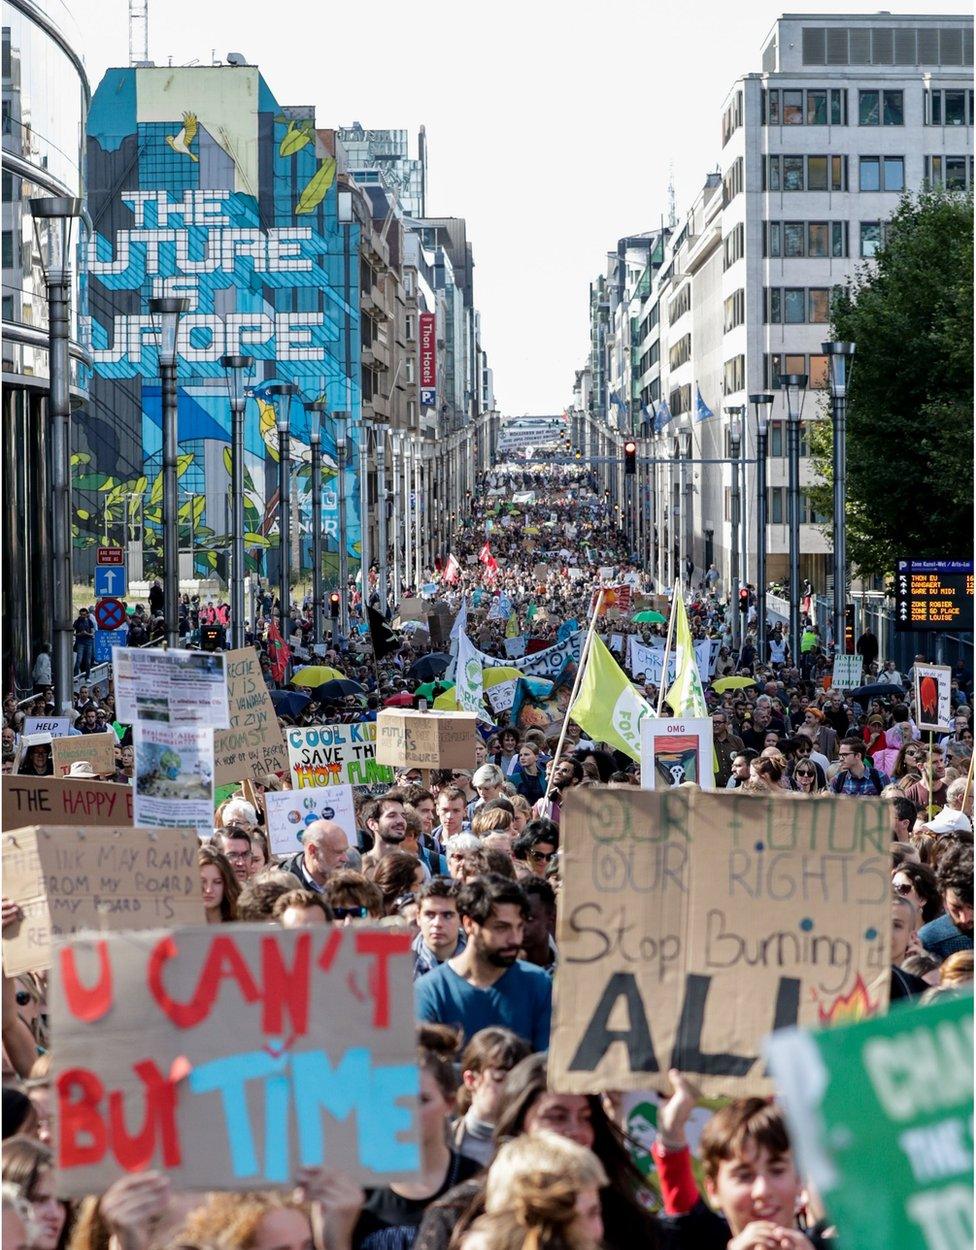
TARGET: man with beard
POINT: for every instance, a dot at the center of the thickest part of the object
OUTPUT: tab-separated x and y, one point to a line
487	984
954	930
386	820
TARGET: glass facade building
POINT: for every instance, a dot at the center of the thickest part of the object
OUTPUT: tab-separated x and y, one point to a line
45	107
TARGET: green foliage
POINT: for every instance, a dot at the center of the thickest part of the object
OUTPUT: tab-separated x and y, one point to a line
910	397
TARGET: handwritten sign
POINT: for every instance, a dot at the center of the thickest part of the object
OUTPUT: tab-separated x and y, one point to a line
426	739
56	726
333	755
64	801
253	745
67	879
97	749
242	1053
693	924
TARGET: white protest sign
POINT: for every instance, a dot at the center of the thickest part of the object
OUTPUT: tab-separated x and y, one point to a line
173	784
56	726
291	811
502	696
847	671
331	755
170	687
675	750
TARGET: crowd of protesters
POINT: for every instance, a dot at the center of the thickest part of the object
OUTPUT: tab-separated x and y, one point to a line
469	860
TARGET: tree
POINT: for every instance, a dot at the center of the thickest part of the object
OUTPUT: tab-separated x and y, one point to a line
910	395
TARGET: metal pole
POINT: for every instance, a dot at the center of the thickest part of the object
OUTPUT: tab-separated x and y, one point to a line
171	545
381	537
839	356
736	621
284	525
743	505
60	413
423	503
318	614
793	452
366	558
407	493
341	445
396	440
237	523
761	403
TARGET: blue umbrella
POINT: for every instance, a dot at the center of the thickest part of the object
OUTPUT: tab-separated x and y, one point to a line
329	691
289	702
429	666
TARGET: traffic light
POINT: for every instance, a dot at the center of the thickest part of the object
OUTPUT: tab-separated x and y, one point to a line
743	598
334	602
849	629
630	457
211	637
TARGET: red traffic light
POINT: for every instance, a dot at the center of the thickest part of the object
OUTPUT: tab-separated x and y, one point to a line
334	601
630	457
630	448
743	599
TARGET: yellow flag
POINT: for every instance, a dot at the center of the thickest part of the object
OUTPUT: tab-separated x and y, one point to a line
608	707
686	696
511	628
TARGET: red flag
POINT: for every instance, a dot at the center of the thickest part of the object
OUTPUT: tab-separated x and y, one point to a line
279	651
485	556
452	570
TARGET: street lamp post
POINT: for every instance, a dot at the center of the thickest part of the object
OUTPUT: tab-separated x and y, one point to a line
237	368
166	311
365	557
839	355
761	403
381	535
315	409
735	437
53	220
281	393
795	385
340	419
396	446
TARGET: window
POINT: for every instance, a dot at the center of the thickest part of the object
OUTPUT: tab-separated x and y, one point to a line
775	504
409	328
680	354
838	238
805	173
869	108
777	365
946	171
734	375
893	170
734	245
870	173
814	107
794	243
816	239
735	310
881	108
808	514
772	238
732	182
949	108
870	238
680	304
408	363
679	400
794	306
732	118
818	243
408	287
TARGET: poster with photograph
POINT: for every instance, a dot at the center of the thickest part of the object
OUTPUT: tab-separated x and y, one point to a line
291	811
174	777
933	704
675	750
170	687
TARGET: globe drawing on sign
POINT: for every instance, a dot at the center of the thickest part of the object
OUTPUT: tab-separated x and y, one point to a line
294	817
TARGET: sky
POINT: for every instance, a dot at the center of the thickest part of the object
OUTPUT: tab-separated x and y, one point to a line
553	127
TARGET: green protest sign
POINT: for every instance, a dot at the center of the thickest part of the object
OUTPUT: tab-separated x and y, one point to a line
881	1115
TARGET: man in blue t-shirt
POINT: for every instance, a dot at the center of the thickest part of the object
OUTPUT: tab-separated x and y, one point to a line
487	984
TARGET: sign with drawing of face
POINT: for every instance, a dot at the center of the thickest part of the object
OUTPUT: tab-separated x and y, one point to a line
675	750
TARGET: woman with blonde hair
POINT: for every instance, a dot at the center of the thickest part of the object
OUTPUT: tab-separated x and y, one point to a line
542	1193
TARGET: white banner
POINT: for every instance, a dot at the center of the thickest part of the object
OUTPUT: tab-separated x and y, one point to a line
549	663
645	660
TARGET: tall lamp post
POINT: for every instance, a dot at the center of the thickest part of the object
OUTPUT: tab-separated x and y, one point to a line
166	311
761	403
795	385
53	221
382	569
840	357
315	409
340	419
735	439
238	368
281	393
365	535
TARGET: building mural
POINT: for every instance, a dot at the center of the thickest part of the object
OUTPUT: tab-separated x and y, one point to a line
200	185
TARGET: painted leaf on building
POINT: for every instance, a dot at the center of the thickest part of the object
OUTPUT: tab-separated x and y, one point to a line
295	138
317	186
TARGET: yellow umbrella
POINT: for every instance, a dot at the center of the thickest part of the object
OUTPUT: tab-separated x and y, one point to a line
495	676
446	702
315	674
731	683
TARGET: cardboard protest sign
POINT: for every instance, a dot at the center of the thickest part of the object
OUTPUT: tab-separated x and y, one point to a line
426	739
67	879
56	726
63	801
170	687
847	671
243	1051
333	755
411	609
886	1100
290	811
691	924
675	750
933	688
252	746
174	776
97	749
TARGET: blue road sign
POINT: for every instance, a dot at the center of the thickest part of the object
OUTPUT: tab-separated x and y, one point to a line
106	639
110	580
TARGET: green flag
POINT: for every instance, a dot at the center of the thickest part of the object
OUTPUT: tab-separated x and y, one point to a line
686	696
607	706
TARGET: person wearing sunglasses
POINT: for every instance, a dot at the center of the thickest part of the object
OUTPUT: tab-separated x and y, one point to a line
807	778
537	847
917	883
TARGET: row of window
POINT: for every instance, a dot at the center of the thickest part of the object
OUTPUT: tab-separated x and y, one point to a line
734	375
680	304
779	365
804	173
823	106
796	305
816	239
883	45
955	173
776	446
777	506
732	118
735	310
734	245
679	400
732	182
816	106
948	107
680	354
650	357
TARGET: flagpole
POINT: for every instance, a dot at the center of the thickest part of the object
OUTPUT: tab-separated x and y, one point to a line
667	647
584	656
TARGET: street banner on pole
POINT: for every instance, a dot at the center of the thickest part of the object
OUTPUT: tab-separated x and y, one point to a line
244	1052
66	879
881	1119
693	924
